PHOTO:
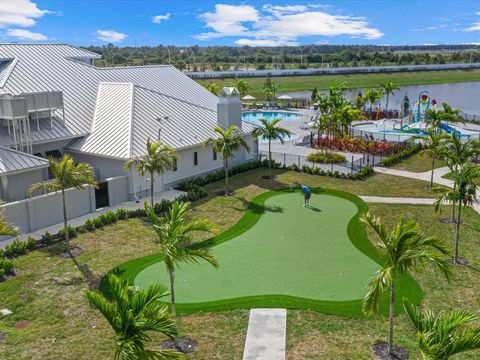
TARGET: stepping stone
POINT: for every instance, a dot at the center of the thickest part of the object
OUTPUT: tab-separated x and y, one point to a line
5	312
266	335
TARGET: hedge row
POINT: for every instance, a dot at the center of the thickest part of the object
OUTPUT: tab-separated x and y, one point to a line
326	158
402	155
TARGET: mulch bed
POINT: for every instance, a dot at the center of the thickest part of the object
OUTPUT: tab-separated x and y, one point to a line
2	336
380	350
449	221
221	193
76	251
22	324
461	261
267	177
184	345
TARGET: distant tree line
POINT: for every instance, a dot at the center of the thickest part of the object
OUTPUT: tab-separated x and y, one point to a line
217	58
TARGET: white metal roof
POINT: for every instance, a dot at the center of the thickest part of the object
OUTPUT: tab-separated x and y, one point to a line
12	161
50	67
126	115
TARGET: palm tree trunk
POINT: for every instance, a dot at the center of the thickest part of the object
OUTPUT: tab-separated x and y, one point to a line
457	237
391	317
172	291
151	189
433	167
65	224
386	107
453	205
269	158
225	167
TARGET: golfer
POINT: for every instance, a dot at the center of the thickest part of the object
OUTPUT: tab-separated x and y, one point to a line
307	193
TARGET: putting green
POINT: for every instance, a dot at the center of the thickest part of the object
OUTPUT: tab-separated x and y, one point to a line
281	254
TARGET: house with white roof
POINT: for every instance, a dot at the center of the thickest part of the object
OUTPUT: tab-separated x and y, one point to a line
53	99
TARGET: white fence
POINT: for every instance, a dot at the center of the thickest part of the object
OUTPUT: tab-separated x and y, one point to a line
326	71
117	190
41	211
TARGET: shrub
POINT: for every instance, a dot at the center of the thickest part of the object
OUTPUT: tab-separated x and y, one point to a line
31	243
6	266
97	222
71	232
16	248
89	225
122	213
326	158
110	217
2	254
402	155
47	238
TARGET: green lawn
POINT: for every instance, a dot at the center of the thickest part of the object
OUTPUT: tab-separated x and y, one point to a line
284	255
298	83
418	163
48	293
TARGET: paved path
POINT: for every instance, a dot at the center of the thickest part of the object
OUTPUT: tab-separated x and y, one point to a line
437	175
129	205
395	200
266	335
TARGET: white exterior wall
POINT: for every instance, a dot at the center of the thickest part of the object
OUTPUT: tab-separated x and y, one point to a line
14	187
104	167
45	210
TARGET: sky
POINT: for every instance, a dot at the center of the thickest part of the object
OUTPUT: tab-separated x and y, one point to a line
238	23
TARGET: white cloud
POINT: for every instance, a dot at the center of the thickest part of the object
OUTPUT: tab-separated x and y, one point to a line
22	34
473	27
110	36
264	42
227	20
20	13
159	18
281	25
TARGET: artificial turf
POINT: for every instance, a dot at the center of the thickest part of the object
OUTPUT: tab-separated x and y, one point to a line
281	254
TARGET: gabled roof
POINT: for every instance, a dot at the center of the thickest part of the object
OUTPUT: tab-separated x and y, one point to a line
12	161
126	115
43	67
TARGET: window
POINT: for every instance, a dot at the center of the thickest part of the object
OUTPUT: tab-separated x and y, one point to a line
174	167
195	158
214	155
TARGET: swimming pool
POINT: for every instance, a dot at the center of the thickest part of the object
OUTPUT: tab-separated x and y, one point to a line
254	118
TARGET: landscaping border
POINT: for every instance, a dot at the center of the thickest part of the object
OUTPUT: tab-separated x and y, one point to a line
356	233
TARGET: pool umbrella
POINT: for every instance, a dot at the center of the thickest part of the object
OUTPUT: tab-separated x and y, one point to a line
248	97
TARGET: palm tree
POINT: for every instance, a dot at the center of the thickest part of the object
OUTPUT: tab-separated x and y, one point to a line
439	335
450	114
67	175
372	96
324	107
388	89
5	228
174	234
212	87
459	152
270	89
242	86
436	147
435	118
404	249
226	143
158	159
270	131
464	193
133	314
344	117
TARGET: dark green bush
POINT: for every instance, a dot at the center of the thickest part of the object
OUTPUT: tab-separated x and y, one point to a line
16	248
89	225
47	238
402	155
6	266
326	158
71	232
122	213
31	243
98	222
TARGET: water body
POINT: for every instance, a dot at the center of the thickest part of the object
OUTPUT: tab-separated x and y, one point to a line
464	96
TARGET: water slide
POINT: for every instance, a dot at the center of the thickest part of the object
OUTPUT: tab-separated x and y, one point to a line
449	129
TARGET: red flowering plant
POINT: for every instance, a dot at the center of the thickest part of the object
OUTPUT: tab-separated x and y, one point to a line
355	145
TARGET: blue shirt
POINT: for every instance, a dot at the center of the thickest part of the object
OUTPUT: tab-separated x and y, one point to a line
306	189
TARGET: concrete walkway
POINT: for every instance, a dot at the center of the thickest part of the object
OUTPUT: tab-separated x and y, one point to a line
395	200
437	175
266	335
78	221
